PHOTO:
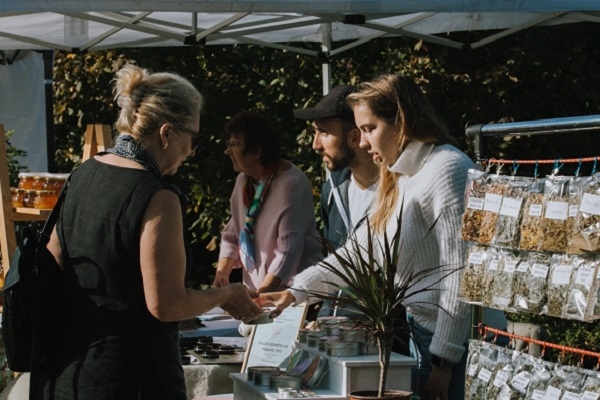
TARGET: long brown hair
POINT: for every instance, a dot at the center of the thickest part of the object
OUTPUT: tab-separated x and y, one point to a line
398	101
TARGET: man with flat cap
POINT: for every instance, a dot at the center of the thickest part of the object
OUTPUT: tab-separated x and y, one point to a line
350	189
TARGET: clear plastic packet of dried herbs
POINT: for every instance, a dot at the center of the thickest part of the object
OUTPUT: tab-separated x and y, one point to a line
533	210
591	386
494	192
580	297
492	267
471	280
502	288
575	194
556	212
531	285
586	224
472	368
488	359
522	376
541	375
565	383
508	227
508	360
559	281
594	309
474	199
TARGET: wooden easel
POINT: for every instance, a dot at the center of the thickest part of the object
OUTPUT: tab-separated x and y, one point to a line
97	138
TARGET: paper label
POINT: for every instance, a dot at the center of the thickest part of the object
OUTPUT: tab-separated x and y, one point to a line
510	207
475	203
562	274
557	210
492	202
552	393
535	210
589	396
500	379
476	258
585	276
537	394
540	270
520	382
501	301
570	396
472	370
509	266
523	267
493	265
484	375
573	208
590	204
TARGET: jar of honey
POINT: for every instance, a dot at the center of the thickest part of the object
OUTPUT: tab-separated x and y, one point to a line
26	180
38	181
50	183
45	199
17	197
29	198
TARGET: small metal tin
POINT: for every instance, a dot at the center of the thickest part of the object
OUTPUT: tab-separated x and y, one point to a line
312	340
252	370
263	319
344	349
330	326
314	372
323	340
290	381
302	335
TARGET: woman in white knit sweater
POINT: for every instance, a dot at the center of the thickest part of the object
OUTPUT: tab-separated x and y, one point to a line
424	175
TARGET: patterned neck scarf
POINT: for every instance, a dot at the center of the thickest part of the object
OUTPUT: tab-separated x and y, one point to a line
127	147
256	195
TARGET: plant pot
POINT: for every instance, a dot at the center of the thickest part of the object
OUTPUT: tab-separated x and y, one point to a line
372	395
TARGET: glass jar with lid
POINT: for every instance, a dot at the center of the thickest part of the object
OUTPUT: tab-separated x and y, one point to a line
45	199
17	197
26	180
29	198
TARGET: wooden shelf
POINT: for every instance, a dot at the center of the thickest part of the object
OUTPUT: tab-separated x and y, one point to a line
29	214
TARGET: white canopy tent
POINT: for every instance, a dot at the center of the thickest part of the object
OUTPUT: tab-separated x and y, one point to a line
88	25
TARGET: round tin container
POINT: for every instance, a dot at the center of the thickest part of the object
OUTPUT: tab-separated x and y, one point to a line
290	381
302	335
351	334
323	340
312	340
344	349
252	370
314	372
330	326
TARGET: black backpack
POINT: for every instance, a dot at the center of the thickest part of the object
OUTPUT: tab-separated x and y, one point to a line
31	293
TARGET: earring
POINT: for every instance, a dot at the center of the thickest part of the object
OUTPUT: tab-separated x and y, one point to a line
165	145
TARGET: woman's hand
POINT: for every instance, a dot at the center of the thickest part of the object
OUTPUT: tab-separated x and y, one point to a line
223	271
281	300
240	304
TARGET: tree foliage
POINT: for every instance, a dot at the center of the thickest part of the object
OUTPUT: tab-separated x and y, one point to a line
540	73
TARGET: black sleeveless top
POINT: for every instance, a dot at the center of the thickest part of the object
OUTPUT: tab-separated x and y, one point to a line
110	327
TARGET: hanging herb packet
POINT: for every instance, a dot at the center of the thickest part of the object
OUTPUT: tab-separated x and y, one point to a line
502	289
531	286
580	296
556	212
561	271
541	375
522	377
532	229
505	367
494	192
591	387
487	367
492	268
575	194
472	275
593	312
475	348
474	199
508	226
586	226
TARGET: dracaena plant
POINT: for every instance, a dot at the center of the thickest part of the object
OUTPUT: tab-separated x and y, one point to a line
377	287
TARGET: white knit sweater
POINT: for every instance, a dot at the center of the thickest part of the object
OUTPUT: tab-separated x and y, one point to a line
432	185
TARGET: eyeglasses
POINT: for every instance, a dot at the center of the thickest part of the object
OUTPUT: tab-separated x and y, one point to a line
232	144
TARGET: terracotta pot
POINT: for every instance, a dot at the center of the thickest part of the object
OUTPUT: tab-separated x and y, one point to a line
372	395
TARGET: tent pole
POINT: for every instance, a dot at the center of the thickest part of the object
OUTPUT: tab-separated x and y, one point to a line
325	50
49	96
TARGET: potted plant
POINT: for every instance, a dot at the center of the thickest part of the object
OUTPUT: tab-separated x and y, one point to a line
377	287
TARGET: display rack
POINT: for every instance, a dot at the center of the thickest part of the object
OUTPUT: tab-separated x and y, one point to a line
97	138
479	133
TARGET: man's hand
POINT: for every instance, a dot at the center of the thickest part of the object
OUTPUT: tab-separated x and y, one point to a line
240	304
